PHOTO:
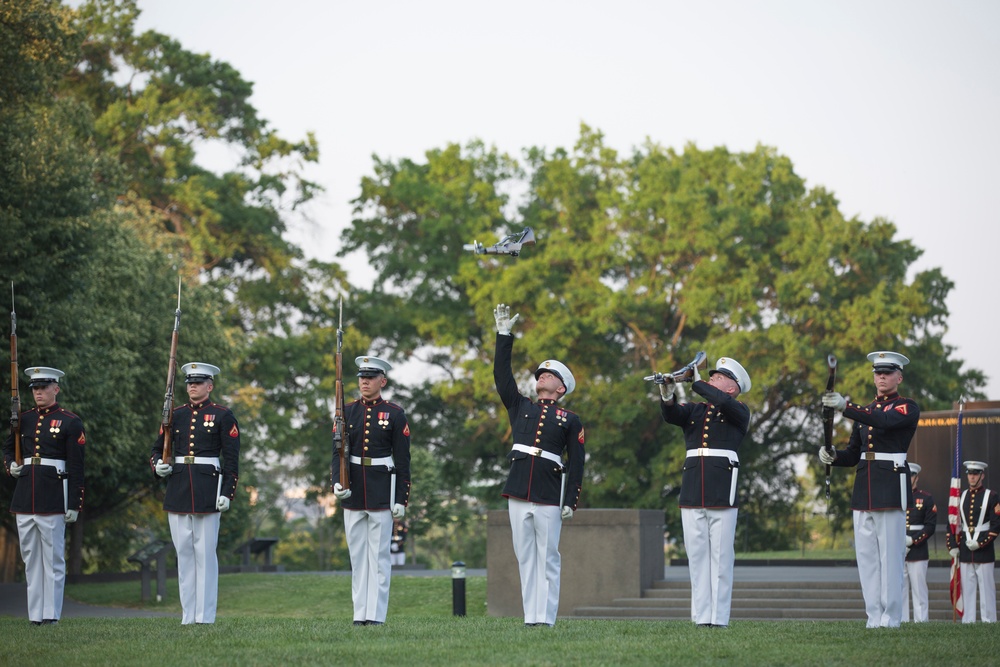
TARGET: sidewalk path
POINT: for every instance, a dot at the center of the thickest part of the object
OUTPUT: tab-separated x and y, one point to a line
14	602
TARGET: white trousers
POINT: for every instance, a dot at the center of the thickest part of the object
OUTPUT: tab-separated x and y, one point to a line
979	576
880	546
369	535
915	582
195	538
43	550
709	537
397	557
535	530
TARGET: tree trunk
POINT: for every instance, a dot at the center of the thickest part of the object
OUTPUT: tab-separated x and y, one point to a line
9	556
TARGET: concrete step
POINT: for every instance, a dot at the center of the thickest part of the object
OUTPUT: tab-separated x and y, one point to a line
805	600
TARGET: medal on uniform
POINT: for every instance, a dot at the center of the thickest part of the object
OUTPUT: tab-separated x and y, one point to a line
209	420
54	425
561	415
383	419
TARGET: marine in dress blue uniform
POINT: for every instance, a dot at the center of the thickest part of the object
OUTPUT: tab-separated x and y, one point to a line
48	493
921	520
378	442
879	441
201	483
713	432
975	546
546	472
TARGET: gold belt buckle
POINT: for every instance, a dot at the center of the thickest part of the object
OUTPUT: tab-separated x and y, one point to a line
869	456
36	460
535	451
366	461
188	460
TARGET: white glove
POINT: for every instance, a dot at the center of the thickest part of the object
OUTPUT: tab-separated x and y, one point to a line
832	399
971	545
826	456
15	470
504	321
222	504
697	376
71	516
341	492
953	553
398	511
667	389
163	469
909	541
567	512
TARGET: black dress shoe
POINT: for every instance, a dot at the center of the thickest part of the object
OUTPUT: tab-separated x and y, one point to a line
359	622
36	622
49	621
374	623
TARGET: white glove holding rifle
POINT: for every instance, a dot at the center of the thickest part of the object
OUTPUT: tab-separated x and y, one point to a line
163	469
567	512
667	386
827	456
15	470
341	492
504	321
398	511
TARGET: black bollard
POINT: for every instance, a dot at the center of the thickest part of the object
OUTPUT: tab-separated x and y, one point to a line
458	588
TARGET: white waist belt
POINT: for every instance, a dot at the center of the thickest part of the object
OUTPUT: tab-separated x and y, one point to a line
916	526
58	464
898	459
200	460
369	461
709	451
538	451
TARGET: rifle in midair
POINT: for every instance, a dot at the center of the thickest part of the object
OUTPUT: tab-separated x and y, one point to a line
508	245
167	418
831	381
339	425
15	393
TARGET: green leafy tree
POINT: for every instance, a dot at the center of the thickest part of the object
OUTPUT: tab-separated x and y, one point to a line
640	263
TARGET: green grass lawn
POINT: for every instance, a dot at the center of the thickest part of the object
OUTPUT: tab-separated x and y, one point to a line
305	619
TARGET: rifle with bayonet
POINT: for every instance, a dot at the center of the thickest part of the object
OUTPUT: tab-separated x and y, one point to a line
684	374
167	418
15	393
339	425
831	381
508	245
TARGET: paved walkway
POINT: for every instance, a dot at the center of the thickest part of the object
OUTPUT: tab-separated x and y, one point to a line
14	598
14	602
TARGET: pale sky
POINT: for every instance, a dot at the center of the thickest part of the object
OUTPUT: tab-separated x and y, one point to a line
893	105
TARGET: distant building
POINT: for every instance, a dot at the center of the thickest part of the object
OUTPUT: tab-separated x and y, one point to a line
933	447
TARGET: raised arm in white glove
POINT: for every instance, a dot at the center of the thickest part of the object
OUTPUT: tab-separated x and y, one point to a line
72	516
163	469
222	504
667	387
567	512
832	399
971	544
826	456
696	377
504	321
341	492
909	541
15	470
398	511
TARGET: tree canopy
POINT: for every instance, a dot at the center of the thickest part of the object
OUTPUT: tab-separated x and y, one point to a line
641	260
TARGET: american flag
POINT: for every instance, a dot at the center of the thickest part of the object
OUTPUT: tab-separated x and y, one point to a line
955	519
